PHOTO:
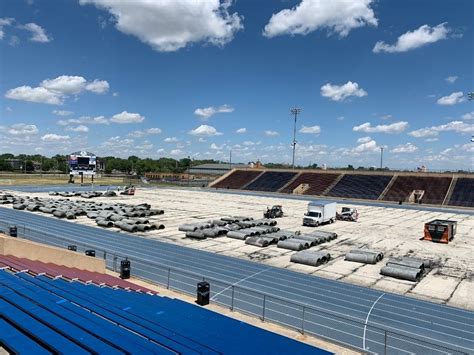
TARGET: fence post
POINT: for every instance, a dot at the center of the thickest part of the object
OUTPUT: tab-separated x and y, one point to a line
385	342
232	300
263	310
168	282
302	321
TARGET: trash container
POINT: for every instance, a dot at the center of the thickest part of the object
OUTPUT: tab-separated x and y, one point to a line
125	269
72	247
90	252
13	231
203	292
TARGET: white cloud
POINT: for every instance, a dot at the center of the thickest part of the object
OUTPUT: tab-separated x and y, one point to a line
208	112
127	117
65	84
202	140
55	91
454	126
241	130
217	147
51	137
342	92
431	139
62	113
20	129
38	34
468	116
115	94
337	16
4	22
169	25
364	140
177	153
451	79
84	120
405	148
38	94
250	143
452	99
204	130
340	118
396	127
145	132
171	140
369	146
414	39
271	133
310	129
79	129
98	86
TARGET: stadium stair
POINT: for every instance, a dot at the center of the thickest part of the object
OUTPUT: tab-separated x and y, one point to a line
362	186
463	193
270	181
435	188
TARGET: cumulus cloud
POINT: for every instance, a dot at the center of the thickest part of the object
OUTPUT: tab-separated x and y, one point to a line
405	148
62	113
20	129
368	146
52	137
452	99
177	153
364	139
78	129
453	126
127	117
414	39
310	129
468	116
204	130
169	25
451	79
145	132
271	133
214	146
337	16
241	130
38	34
208	112
3	23
171	140
342	92
55	91
394	128
84	120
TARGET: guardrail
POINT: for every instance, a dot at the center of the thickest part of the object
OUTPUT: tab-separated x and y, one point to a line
307	319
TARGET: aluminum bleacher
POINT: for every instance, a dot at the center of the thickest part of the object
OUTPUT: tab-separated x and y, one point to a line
435	188
317	182
360	186
463	193
42	315
237	179
271	181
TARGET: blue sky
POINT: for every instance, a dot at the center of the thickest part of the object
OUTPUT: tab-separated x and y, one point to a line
200	78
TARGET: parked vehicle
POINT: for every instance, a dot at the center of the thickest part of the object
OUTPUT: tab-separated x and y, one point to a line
320	212
275	212
129	191
348	214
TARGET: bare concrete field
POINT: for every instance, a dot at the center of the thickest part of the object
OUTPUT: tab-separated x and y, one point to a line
394	231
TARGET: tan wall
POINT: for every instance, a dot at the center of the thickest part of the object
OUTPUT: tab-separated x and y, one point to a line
34	251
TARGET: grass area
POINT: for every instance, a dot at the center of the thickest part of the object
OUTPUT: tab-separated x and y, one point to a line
25	179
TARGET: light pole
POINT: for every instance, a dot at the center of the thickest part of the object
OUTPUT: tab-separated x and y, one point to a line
294	111
381	158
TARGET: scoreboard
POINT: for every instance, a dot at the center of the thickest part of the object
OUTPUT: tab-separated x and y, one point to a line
82	163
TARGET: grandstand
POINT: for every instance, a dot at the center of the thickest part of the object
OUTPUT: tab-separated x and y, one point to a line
43	312
434	189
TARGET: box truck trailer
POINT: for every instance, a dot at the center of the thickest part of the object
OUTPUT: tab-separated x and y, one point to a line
320	212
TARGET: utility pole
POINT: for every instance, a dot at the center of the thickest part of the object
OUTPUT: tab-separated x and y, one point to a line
294	111
381	158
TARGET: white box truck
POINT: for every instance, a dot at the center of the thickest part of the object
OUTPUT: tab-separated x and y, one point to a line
320	212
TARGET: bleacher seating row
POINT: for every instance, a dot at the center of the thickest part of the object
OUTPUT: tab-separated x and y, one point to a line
43	315
357	186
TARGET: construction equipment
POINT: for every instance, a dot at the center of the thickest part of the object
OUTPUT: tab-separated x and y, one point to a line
129	191
275	212
348	214
440	231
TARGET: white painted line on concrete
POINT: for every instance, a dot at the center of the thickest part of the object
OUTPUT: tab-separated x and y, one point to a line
367	319
242	280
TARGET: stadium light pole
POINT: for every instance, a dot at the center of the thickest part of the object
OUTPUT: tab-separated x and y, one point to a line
294	111
381	158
